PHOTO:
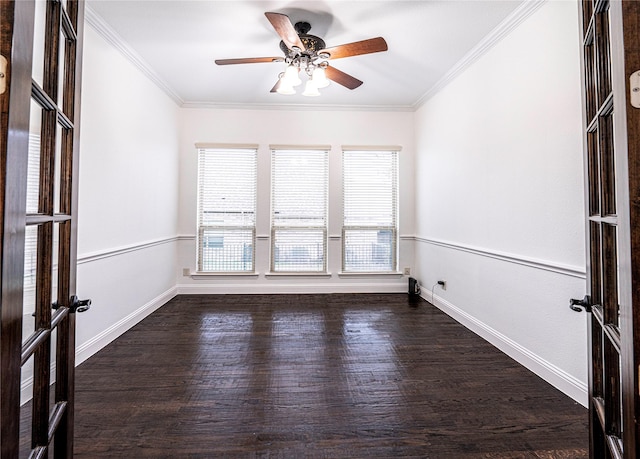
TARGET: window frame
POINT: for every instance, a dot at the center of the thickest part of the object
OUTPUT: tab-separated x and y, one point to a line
203	149
276	228
393	227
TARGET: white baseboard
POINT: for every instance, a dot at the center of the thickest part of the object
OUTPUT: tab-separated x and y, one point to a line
560	379
257	289
87	349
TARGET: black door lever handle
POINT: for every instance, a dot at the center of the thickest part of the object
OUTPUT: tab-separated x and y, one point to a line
577	305
78	305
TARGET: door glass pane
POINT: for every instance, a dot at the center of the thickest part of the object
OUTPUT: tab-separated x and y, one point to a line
587	11
590	79
593	165
29	286
52	366
26	415
37	71
610	274
61	67
607	164
595	262
618	279
55	262
597	358
57	169
33	168
613	417
620	408
603	54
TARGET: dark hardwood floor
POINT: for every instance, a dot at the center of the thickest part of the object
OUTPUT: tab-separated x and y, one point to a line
306	376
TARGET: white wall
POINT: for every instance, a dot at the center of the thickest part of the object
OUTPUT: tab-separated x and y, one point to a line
290	127
499	197
127	224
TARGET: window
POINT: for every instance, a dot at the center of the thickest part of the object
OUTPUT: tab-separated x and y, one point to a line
227	179
299	182
370	193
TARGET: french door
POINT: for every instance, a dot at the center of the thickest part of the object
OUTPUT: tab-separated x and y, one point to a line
40	72
610	57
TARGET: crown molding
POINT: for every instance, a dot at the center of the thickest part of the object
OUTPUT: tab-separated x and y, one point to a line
526	9
299	107
114	39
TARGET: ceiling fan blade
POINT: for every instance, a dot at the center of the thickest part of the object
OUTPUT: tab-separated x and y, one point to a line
276	86
285	29
248	60
342	78
372	45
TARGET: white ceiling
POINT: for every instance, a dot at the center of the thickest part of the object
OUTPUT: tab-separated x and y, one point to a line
178	41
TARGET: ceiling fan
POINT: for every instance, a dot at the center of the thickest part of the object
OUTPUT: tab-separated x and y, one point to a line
308	54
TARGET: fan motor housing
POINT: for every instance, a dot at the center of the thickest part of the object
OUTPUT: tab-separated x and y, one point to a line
311	43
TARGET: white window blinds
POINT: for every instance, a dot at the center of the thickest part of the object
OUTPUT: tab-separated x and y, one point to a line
370	193
227	180
299	182
31	232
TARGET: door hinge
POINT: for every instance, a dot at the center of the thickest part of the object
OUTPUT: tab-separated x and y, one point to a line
3	74
634	87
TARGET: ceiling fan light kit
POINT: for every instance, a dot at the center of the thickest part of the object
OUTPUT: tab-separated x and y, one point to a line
307	54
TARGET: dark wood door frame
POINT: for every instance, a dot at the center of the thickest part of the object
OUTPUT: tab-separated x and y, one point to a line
611	53
60	113
16	42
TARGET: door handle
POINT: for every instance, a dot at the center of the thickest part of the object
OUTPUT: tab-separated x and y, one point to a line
577	305
78	305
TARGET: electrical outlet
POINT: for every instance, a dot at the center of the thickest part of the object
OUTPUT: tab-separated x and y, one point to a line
186	272
443	284
407	271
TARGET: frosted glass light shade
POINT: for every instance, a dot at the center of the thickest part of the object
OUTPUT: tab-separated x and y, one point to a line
319	78
285	87
311	89
291	76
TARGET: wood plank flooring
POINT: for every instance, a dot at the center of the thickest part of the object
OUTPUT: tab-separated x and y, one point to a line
315	376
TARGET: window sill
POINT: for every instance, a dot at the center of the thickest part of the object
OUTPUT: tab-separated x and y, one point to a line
208	275
371	274
297	274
